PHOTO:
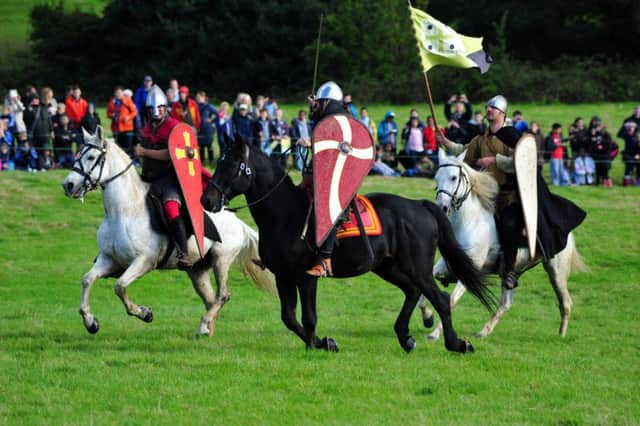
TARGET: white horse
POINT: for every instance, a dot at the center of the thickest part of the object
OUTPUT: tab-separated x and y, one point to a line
129	247
468	196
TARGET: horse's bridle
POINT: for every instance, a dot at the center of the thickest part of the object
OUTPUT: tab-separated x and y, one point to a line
244	169
456	202
89	183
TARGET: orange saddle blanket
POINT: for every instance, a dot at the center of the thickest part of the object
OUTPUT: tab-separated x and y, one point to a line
370	220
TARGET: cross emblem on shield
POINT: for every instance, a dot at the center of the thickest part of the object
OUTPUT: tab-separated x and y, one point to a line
185	156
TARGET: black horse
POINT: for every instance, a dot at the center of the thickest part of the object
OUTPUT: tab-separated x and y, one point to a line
403	254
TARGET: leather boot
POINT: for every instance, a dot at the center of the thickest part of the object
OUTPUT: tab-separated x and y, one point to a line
179	236
321	269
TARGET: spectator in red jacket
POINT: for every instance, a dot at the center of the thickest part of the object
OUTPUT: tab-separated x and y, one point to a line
186	109
76	106
122	112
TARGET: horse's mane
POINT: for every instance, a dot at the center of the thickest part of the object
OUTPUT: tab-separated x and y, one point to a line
483	185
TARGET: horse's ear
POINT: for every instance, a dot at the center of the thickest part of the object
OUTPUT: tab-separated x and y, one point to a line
86	135
100	133
242	145
442	156
461	156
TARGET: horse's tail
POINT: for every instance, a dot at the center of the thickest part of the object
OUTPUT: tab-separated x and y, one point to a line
460	264
248	259
577	262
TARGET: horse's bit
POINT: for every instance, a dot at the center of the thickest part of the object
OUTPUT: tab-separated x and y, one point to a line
456	202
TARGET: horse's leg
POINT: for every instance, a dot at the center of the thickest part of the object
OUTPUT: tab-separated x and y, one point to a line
558	269
288	301
427	313
221	265
411	295
506	301
202	285
454	298
440	301
308	289
103	267
140	266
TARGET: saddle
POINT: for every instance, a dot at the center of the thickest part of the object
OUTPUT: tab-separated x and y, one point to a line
371	222
159	221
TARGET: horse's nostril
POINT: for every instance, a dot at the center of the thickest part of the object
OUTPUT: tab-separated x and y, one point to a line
445	209
68	187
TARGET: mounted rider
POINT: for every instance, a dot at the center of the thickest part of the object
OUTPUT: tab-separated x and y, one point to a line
494	152
157	169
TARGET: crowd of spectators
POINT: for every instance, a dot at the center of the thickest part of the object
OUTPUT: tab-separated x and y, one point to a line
38	133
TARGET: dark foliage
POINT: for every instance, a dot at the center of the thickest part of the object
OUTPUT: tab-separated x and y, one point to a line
561	51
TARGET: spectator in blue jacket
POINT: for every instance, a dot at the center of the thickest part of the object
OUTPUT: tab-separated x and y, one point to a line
349	106
224	125
519	122
26	158
301	138
140	99
6	157
208	119
388	130
244	125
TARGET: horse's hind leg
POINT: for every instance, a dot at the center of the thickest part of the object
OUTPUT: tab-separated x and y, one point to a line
442	305
411	296
454	298
103	267
558	268
288	301
139	267
427	313
506	301
202	285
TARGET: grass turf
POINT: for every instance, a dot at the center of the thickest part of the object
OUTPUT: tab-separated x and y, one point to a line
254	371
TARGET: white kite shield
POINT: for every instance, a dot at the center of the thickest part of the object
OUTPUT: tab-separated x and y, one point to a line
525	162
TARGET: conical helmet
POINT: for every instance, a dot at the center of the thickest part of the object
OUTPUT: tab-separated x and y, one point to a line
329	90
498	102
155	99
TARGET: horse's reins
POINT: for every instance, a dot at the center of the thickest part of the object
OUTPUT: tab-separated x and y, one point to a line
89	183
456	202
247	171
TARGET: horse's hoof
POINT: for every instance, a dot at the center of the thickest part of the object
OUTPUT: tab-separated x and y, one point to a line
148	315
468	347
409	345
433	336
94	327
428	322
481	334
330	345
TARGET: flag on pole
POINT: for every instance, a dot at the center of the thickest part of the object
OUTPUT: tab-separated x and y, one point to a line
441	45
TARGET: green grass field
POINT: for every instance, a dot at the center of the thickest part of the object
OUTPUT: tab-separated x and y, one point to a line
254	371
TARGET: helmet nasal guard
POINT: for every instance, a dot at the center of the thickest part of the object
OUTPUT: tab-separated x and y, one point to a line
155	99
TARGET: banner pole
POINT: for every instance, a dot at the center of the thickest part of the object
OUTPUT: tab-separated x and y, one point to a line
430	99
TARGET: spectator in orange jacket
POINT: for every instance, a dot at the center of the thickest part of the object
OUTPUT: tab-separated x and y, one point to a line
76	106
186	109
122	112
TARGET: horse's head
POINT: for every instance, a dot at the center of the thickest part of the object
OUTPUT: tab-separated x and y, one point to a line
233	175
453	185
87	171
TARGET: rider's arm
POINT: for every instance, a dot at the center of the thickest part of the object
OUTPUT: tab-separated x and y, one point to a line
448	145
505	163
154	154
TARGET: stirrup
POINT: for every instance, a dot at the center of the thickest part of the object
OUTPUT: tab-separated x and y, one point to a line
321	269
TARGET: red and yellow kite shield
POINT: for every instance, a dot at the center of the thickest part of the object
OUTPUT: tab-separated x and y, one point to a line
342	156
185	156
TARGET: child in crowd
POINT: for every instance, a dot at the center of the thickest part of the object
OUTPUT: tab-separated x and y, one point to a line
584	168
91	120
65	137
6	158
45	159
26	158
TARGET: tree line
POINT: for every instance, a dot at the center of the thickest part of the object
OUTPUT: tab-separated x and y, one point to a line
543	51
